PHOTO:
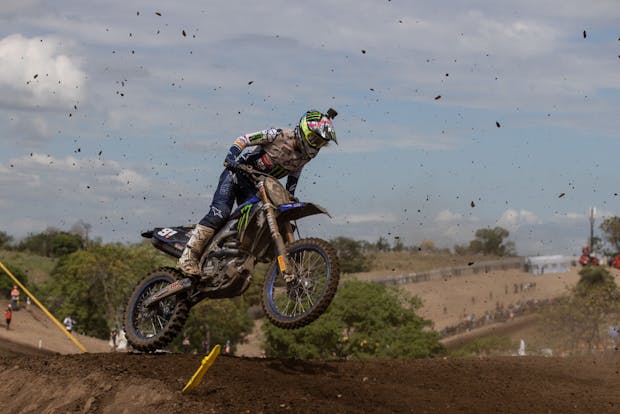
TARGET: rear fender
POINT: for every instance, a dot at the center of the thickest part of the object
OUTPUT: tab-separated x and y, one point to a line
170	240
295	211
256	237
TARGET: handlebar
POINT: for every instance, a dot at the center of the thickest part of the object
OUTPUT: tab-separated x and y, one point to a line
255	175
248	169
250	172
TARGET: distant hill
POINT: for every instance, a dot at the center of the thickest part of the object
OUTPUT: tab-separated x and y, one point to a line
422	261
38	268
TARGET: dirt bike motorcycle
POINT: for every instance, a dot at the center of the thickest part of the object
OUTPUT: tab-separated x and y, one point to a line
299	285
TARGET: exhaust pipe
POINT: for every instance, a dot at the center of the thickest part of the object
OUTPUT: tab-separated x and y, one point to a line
172	289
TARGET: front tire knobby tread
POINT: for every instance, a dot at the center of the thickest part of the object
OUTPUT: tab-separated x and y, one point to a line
326	298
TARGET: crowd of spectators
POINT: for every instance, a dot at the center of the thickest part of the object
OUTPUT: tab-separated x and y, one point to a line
500	314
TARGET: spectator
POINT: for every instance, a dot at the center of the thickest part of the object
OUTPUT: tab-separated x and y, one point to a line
8	315
185	343
614	335
227	347
113	336
68	322
14	297
121	340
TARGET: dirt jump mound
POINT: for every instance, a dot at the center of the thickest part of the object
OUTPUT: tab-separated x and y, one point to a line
141	383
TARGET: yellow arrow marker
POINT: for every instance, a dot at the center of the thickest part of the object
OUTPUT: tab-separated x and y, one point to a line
204	366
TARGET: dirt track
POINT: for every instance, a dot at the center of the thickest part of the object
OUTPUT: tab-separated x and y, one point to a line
114	383
57	380
34	380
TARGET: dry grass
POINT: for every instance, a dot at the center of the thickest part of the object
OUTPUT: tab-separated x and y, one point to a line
36	267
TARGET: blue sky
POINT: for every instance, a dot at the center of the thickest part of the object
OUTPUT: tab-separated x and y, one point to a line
119	114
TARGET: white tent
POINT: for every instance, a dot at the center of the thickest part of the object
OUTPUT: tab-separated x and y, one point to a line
539	265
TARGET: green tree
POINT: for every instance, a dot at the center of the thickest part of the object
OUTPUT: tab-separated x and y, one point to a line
6	283
611	230
461	249
382	245
491	241
352	258
398	245
597	244
427	246
63	243
52	243
93	285
366	320
593	277
5	240
217	321
581	319
81	229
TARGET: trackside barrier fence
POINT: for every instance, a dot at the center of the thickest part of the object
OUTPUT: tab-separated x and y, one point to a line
482	267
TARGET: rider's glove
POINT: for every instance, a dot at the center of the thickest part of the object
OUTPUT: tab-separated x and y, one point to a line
231	163
231	158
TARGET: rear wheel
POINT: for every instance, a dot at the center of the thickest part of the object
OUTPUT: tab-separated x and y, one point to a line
153	327
301	301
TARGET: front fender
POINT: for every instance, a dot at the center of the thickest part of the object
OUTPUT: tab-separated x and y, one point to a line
295	211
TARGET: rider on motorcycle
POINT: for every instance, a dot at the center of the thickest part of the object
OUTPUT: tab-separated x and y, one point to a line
277	152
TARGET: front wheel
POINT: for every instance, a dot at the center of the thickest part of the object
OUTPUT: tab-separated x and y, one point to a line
301	301
153	327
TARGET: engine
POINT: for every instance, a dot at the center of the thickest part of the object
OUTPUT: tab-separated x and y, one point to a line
224	265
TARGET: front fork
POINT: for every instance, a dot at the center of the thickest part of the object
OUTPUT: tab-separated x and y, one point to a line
283	263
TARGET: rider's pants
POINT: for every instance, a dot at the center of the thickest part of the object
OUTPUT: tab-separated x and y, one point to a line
228	189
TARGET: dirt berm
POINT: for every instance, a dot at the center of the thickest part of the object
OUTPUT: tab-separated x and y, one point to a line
41	372
134	383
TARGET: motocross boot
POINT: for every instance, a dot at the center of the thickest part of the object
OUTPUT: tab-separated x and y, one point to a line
188	262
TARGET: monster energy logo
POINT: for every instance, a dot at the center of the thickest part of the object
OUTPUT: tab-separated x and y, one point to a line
313	116
245	217
256	137
278	171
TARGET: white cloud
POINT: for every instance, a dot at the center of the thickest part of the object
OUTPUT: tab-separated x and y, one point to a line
72	175
118	200
187	97
513	219
36	75
573	217
15	9
365	218
451	228
519	38
447	216
568	217
28	128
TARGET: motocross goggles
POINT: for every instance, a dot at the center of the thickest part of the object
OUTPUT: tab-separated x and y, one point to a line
315	140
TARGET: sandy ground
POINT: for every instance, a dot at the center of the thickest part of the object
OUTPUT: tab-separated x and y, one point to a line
449	301
33	329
